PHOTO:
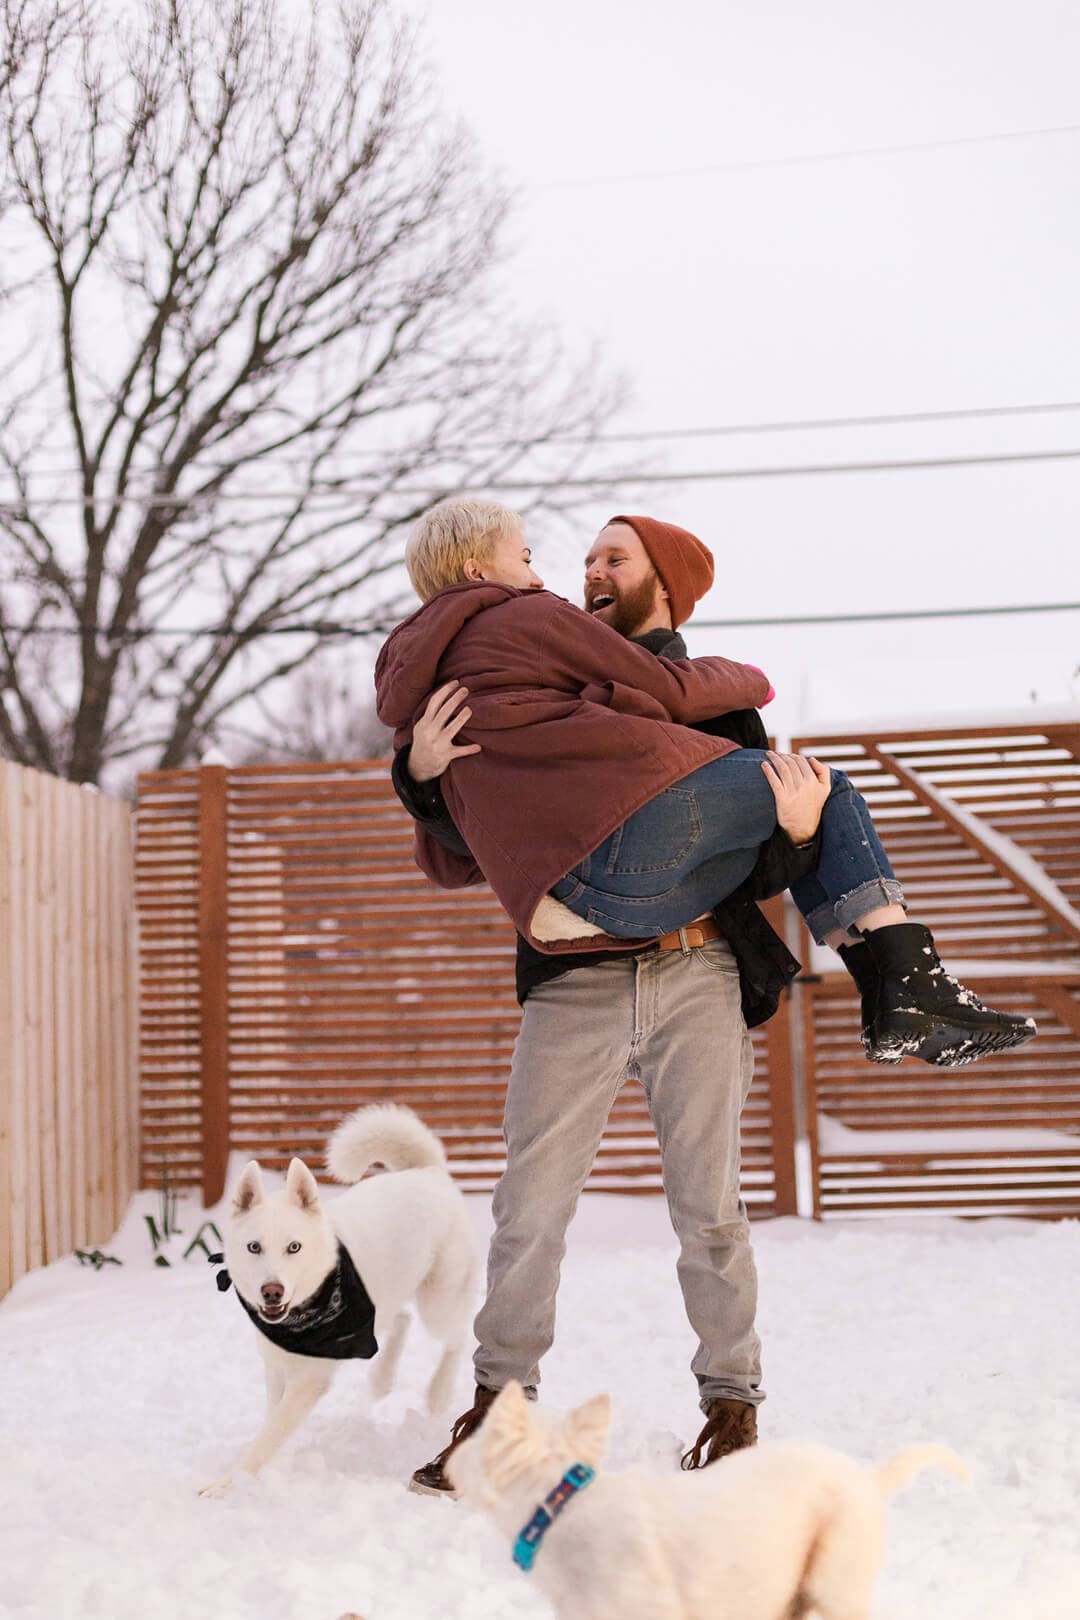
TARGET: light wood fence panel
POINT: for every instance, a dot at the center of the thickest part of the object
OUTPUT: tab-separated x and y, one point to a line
983	828
68	1019
342	976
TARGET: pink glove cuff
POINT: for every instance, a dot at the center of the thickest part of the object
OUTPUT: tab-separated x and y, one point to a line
771	693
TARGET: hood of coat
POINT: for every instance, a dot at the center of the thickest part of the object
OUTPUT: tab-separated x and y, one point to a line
406	670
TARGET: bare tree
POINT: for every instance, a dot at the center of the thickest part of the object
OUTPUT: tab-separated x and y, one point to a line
328	714
247	335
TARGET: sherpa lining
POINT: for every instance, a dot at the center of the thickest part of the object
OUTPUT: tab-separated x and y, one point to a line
553	921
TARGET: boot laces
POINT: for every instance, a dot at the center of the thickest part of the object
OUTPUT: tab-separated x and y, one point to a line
465	1425
727	1428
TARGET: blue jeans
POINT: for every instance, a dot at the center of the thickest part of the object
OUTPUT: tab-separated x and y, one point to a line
691	846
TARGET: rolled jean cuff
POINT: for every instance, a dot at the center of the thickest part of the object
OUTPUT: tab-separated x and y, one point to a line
822	922
867	897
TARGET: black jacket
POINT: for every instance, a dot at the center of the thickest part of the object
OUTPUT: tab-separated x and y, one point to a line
765	964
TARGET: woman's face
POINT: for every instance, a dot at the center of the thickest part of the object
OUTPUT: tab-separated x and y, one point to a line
508	564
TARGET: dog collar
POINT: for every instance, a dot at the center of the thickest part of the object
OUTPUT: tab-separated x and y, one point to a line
528	1542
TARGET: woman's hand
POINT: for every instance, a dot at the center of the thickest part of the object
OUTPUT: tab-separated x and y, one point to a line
801	785
433	747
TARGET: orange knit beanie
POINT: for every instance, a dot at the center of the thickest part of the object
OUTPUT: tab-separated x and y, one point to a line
684	565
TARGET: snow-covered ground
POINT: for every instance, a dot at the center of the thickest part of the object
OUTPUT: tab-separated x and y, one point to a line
125	1389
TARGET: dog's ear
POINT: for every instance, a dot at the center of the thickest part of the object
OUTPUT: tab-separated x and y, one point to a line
587	1427
300	1186
249	1189
510	1411
504	1437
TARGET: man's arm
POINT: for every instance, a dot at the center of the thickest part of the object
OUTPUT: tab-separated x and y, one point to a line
425	803
582	651
442	864
441	852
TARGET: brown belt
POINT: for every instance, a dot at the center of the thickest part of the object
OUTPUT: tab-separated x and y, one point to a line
699	932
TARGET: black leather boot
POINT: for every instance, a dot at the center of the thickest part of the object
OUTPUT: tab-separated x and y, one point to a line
859	961
923	1012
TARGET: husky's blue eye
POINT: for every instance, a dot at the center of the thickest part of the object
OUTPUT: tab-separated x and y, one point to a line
294	1248
254	1248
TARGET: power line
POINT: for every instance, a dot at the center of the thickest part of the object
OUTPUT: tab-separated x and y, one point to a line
327	629
812	424
317	500
840	155
872	618
815	424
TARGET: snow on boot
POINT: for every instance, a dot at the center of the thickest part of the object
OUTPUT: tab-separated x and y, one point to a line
923	1012
859	961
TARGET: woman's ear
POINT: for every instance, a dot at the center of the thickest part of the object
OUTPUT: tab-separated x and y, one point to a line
472	571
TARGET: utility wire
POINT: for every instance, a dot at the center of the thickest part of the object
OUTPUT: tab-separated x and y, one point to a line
323	628
841	155
872	618
812	424
318	498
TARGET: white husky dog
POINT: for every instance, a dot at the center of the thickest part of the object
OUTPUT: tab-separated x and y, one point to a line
766	1534
406	1238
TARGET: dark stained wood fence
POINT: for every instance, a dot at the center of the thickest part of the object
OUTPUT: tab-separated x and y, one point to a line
297	964
983	827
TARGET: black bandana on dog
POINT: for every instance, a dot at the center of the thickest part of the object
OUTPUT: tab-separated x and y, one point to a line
337	1323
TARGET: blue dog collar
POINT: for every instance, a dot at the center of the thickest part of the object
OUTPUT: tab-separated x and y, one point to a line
528	1542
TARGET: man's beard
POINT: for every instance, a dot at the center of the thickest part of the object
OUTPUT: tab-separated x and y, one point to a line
630	609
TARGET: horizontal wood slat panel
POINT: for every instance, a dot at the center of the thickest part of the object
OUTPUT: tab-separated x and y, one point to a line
1001	1136
351	979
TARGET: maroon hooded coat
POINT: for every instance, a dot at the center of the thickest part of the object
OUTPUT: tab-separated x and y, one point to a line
579	728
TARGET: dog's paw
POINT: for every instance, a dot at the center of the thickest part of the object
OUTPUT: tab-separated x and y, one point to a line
219	1488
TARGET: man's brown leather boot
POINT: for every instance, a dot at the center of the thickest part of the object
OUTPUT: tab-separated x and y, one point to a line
729	1426
431	1480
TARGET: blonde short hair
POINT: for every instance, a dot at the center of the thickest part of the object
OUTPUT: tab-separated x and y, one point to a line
446	537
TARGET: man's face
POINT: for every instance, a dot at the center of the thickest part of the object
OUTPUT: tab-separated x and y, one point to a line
508	564
621	585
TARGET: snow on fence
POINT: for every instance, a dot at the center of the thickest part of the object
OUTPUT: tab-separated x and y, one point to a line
68	1019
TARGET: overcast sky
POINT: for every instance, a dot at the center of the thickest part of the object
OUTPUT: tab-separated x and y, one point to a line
847	285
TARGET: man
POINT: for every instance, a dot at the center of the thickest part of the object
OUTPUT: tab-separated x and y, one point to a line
672	1015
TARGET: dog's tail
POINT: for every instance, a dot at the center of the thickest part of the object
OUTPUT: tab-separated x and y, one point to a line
906	1464
385	1133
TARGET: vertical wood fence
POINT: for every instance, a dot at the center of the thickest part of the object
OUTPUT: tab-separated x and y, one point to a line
68	1019
296	964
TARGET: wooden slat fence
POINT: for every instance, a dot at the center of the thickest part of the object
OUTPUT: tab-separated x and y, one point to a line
68	1019
296	964
983	828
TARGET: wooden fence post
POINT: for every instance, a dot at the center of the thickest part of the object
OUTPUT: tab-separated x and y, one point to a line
778	1036
214	977
782	1105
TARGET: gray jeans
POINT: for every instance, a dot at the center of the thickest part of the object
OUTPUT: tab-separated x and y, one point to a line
672	1021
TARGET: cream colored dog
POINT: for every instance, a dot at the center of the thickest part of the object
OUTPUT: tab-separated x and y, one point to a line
766	1534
